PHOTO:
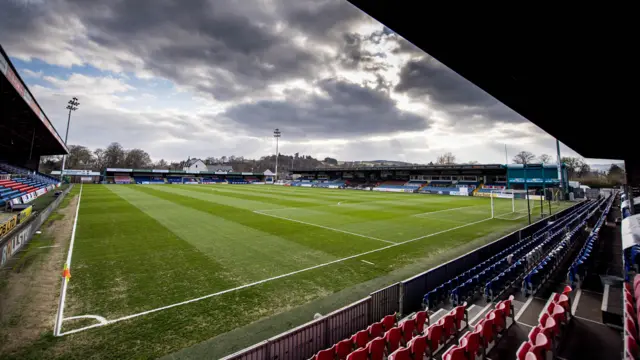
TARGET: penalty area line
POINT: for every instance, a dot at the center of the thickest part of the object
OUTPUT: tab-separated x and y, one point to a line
128	317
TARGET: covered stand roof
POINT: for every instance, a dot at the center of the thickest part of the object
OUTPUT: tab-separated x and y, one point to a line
22	120
569	73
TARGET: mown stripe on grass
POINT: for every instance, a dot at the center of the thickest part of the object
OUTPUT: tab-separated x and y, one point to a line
375	208
247	254
122	257
331	242
391	223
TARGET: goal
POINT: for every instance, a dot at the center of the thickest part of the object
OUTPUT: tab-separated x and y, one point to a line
515	204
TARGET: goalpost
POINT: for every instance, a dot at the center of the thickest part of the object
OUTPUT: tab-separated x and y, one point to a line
511	204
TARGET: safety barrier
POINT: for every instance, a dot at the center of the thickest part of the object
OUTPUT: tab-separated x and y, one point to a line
404	297
22	234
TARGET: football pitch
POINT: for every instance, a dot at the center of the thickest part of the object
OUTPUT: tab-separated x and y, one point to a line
156	268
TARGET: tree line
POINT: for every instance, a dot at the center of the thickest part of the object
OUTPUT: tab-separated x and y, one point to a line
116	156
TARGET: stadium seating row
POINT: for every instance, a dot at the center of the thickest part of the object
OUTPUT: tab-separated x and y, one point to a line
551	328
531	257
554	318
631	319
473	280
578	270
412	338
11	189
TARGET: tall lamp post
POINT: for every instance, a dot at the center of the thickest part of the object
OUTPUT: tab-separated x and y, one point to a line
277	134
72	106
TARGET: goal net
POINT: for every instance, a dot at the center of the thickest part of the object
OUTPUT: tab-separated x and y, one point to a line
516	204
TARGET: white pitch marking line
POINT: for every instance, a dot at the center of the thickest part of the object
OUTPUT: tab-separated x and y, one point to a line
63	293
270	279
438	211
102	320
325	227
367	262
524	307
50	246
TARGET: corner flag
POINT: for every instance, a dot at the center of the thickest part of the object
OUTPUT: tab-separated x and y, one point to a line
66	272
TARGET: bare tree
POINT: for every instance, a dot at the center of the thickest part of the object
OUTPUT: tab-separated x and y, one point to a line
523	157
446	159
545	159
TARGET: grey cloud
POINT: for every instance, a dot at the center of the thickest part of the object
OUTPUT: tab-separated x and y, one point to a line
228	49
466	104
343	110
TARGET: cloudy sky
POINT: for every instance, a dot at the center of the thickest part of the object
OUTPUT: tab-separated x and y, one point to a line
210	78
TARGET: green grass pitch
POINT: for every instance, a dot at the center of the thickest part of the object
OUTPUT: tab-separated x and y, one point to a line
245	253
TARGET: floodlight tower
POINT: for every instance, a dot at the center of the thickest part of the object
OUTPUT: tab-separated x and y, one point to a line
277	134
72	106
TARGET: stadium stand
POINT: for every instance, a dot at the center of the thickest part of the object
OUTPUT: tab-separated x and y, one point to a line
496	272
123	180
21	185
446	327
333	184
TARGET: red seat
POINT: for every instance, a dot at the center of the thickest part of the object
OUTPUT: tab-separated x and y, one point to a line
567	290
550	307
542	320
531	356
636	281
534	332
376	330
506	306
523	350
343	349
631	345
360	354
460	313
471	343
541	346
418	346
407	328
360	339
420	319
448	325
486	325
551	327
393	338
631	327
328	354
628	296
455	352
389	321
628	287
401	354
559	315
434	334
497	316
375	349
631	311
563	301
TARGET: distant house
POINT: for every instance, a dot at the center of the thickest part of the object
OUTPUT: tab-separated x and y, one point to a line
197	165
